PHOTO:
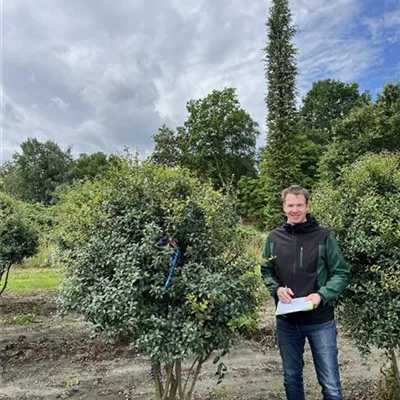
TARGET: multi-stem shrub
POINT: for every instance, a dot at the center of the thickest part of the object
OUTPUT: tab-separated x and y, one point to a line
118	270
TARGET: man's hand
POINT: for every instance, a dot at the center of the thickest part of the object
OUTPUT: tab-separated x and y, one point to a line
315	298
285	294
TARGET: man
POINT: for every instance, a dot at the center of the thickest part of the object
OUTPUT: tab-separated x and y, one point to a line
304	260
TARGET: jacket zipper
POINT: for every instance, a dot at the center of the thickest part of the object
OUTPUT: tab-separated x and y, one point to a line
294	238
301	257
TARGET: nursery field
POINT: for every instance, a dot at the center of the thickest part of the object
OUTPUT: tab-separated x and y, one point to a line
44	356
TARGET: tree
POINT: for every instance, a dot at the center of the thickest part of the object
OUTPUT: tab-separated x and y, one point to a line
17	239
309	156
34	174
251	198
363	210
217	141
280	167
88	166
10	181
328	102
155	258
166	151
370	129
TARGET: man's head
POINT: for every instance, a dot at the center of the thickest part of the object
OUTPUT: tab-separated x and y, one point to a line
295	204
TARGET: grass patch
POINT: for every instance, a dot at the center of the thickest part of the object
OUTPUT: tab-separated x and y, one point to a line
22	319
33	279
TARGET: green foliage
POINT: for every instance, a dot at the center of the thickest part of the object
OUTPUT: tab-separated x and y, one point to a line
88	166
309	155
372	128
252	239
326	103
34	174
251	197
46	257
280	166
218	134
364	212
83	202
41	218
17	239
166	151
117	271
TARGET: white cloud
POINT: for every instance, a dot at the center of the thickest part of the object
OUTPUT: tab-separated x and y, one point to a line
385	27
59	103
19	123
120	70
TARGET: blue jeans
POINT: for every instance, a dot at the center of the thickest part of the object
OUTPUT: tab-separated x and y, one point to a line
322	340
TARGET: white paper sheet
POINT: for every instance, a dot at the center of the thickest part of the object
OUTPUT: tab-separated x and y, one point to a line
299	304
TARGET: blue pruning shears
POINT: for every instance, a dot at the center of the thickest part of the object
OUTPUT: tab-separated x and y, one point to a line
163	241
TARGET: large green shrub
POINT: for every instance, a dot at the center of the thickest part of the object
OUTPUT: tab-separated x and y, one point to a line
17	239
364	212
118	273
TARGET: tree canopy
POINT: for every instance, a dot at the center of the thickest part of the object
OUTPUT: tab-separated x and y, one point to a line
217	141
167	151
372	128
88	166
33	174
327	102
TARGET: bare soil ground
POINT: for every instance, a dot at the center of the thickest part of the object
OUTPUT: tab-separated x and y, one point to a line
56	358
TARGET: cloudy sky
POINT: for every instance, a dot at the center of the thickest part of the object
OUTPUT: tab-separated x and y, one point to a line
99	75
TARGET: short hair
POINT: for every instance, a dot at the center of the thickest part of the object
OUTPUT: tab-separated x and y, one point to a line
296	190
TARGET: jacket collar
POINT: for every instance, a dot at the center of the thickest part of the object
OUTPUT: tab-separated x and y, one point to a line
302	227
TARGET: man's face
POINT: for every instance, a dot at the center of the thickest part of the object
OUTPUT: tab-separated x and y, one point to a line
295	208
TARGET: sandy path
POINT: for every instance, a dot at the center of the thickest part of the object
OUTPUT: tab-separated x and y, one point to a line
56	358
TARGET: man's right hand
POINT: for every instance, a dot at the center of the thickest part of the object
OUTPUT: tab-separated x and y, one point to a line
285	294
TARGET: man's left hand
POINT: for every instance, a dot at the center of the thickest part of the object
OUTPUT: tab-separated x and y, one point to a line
315	298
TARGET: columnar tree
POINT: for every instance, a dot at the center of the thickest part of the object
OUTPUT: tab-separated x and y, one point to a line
155	257
280	167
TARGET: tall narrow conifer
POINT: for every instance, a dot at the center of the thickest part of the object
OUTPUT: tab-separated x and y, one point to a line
280	167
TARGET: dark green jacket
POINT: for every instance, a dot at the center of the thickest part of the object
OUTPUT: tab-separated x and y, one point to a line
306	258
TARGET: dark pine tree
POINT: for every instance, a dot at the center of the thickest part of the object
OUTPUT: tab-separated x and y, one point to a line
280	167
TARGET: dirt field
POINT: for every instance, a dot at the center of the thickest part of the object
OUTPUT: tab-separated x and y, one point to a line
46	357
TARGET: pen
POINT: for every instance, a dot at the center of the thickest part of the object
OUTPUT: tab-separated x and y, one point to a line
289	291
